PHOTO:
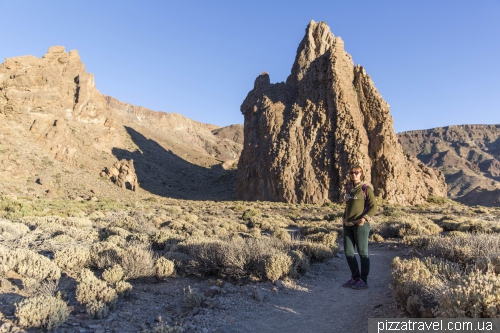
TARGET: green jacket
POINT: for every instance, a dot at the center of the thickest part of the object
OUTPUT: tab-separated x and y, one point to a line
355	203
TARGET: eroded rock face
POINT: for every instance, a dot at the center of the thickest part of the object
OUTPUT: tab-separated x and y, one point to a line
122	173
55	84
300	137
468	155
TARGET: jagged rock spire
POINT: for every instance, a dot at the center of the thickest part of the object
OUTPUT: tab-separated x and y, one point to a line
301	136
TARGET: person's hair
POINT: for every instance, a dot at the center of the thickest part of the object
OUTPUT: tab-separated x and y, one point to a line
356	167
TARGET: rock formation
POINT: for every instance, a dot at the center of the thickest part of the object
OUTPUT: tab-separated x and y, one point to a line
300	137
122	173
468	155
55	124
55	84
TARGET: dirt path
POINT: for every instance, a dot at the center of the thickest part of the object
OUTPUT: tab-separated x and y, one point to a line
324	305
315	303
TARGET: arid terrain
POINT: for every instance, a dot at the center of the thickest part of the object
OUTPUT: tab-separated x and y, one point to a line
116	218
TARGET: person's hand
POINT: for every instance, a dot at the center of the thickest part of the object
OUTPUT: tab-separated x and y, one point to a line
343	221
361	221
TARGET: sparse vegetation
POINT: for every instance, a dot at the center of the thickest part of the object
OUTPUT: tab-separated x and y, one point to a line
105	250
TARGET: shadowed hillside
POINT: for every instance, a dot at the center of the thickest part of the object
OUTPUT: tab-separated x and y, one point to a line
468	155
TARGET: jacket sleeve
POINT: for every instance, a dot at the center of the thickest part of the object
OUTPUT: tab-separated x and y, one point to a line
372	201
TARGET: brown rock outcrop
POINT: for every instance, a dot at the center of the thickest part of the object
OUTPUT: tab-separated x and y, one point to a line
122	173
300	137
55	84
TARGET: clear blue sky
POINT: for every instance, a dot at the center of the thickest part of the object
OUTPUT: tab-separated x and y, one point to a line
435	62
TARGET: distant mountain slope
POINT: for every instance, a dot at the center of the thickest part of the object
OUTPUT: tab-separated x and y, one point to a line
468	155
58	132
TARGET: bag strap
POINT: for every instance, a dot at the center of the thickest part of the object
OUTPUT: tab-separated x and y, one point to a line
367	204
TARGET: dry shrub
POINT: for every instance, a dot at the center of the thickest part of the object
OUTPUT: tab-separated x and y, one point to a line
87	235
408	225
300	263
277	266
255	232
414	286
282	234
30	265
72	258
105	254
467	224
123	288
231	258
189	218
477	296
137	261
163	328
193	298
139	238
45	312
97	309
173	211
247	214
239	207
78	222
179	258
317	252
465	250
164	268
61	240
311	229
12	230
161	238
113	274
117	240
91	289
116	231
327	238
376	238
133	221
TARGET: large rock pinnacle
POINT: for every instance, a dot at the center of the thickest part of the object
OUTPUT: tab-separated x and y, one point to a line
301	136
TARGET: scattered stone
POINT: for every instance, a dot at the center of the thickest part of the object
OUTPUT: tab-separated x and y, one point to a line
258	295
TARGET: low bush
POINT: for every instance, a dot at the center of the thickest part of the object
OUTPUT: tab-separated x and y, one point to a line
97	309
300	263
137	261
193	298
30	265
73	258
232	258
476	296
277	266
45	312
408	225
247	214
90	289
164	268
113	274
317	252
414	286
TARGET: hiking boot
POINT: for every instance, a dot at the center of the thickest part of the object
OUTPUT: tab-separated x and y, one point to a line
351	282
360	284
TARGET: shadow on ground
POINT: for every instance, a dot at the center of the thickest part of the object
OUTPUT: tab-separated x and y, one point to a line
163	173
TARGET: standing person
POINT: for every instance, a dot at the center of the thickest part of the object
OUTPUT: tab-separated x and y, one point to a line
359	210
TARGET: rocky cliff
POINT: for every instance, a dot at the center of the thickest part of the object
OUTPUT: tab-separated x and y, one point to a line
468	155
57	127
300	137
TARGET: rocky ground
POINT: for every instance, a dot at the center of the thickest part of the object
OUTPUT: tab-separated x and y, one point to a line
315	303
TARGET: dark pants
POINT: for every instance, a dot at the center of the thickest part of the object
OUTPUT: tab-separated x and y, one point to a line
357	236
